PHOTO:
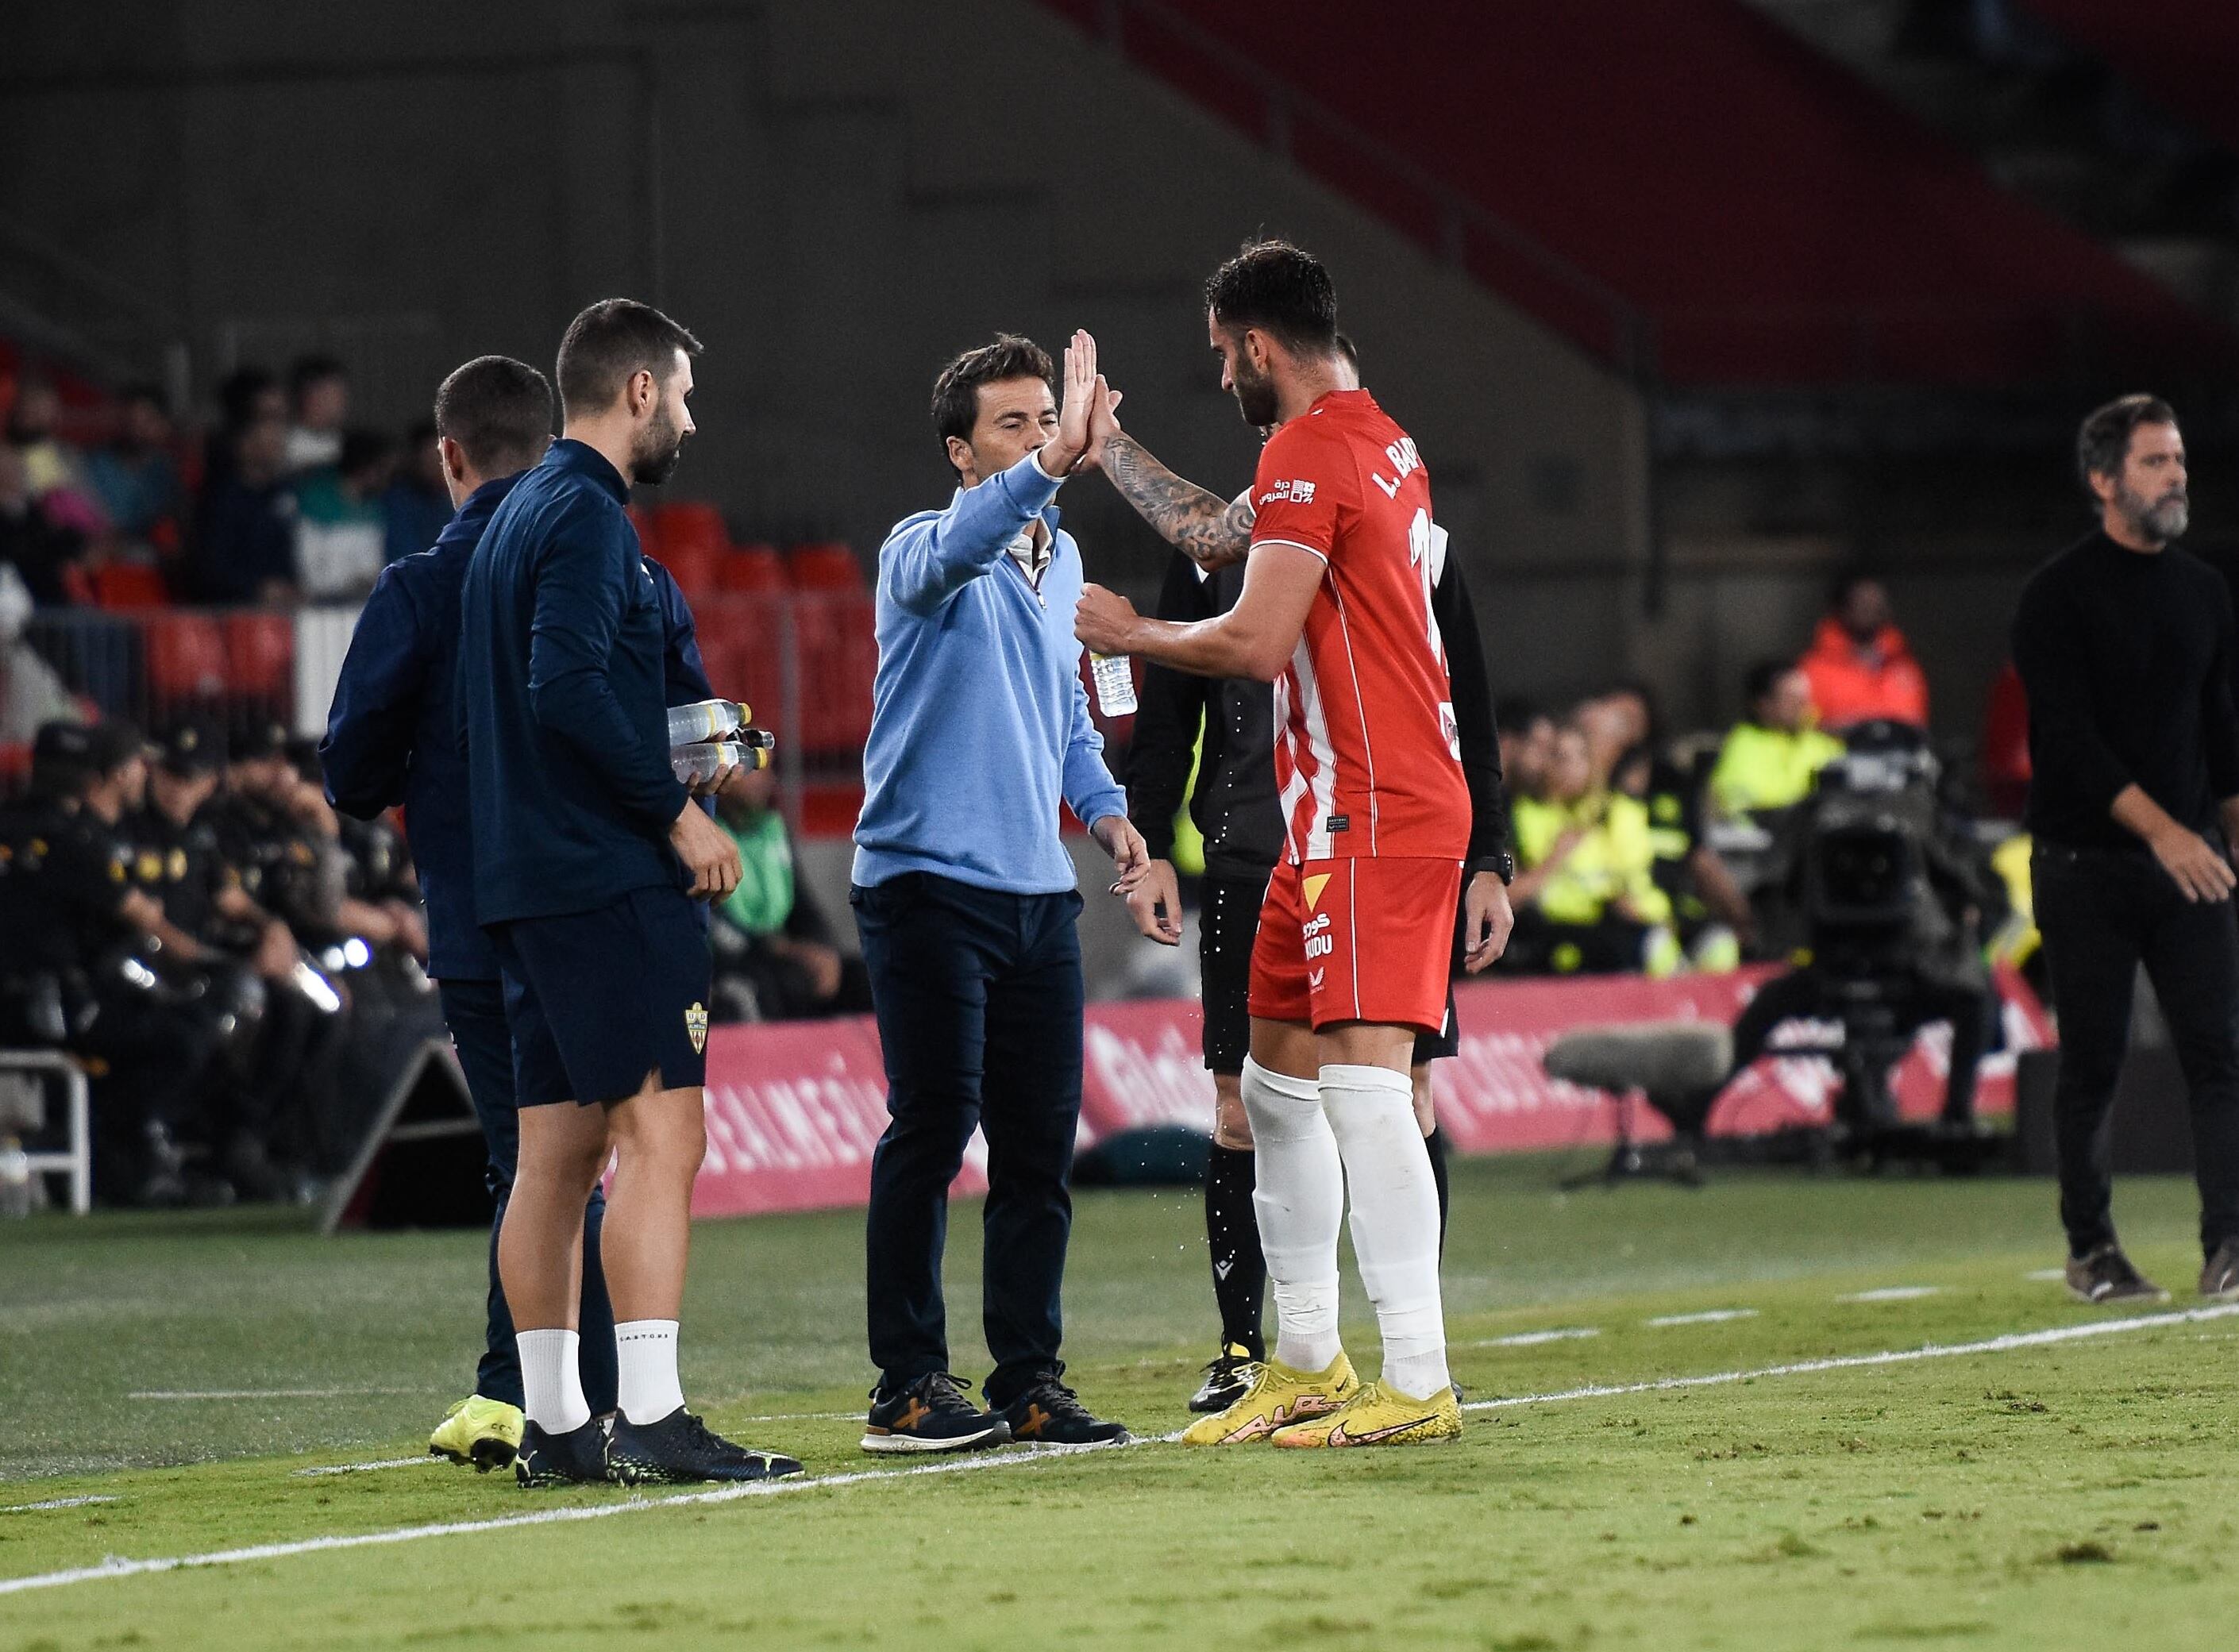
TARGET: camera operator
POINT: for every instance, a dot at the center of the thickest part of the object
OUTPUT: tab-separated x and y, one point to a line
2125	645
1892	896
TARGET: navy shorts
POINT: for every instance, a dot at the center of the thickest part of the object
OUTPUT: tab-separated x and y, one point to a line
596	1000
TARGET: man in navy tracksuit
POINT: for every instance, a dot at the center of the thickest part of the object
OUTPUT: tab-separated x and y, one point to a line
589	853
392	738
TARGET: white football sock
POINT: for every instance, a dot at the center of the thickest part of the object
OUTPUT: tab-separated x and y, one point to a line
552	1381
645	1354
1299	1195
1395	1219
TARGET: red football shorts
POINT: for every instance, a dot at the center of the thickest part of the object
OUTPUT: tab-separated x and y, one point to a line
1368	939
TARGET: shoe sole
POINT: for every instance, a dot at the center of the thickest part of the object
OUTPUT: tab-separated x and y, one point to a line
919	1445
1122	1438
2122	1299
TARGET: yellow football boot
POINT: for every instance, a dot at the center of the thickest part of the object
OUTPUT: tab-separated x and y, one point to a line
486	1433
1379	1415
1278	1396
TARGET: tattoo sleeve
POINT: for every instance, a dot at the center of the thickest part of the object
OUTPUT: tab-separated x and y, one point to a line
1211	531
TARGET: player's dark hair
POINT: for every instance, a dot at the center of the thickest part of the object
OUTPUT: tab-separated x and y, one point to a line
2102	441
1281	290
956	392
499	411
610	342
1763	677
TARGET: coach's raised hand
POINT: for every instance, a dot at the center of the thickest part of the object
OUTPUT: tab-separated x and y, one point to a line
1082	391
709	855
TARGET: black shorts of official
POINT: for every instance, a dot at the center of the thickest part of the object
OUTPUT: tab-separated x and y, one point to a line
596	1000
1228	922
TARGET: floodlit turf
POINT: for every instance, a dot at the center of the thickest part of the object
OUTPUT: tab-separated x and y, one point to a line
2066	1493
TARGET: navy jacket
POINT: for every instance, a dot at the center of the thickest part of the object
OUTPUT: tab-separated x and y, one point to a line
561	698
392	734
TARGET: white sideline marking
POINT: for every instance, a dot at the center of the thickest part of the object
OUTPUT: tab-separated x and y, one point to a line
1709	1316
420	1461
119	1567
263	1393
1894	1293
2046	1275
53	1502
115	1567
1533	1339
2005	1344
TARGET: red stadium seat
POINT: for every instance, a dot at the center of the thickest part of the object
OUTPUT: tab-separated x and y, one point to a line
754	568
260	651
695	527
130	584
739	642
648	535
839	657
830	566
697	568
186	658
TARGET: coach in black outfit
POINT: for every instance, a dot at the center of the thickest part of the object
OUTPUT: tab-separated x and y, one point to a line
2125	646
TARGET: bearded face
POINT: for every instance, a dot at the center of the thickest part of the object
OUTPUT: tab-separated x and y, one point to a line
659	446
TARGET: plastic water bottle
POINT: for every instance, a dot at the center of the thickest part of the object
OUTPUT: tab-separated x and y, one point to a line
15	1179
1115	684
710	719
706	760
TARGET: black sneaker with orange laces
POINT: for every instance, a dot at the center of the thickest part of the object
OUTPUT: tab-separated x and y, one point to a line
930	1415
1049	1413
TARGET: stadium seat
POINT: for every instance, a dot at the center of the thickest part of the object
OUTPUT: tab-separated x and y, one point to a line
648	535
827	566
186	658
753	569
689	525
260	651
697	568
839	657
129	585
739	637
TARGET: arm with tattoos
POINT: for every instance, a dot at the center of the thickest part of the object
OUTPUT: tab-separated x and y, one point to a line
1209	530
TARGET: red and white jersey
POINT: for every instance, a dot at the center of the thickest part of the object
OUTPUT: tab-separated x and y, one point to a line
1366	754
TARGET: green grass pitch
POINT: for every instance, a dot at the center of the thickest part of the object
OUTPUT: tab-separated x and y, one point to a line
2064	1491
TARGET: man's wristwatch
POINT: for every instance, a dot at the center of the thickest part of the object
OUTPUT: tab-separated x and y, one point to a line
1501	866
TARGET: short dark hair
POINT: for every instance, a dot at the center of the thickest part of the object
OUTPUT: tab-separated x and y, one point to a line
1763	677
611	341
239	392
1279	289
2103	441
956	392
313	369
499	411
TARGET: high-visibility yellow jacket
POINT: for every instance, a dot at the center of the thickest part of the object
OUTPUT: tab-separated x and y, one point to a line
1615	859
1768	768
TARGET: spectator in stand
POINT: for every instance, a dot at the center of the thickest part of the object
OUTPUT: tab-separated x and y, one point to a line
133	479
31	693
1771	757
244	539
53	470
771	937
1585	893
42	551
318	403
416	507
1860	667
1527	744
341	542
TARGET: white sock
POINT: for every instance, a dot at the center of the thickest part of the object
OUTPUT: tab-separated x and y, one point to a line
1300	1197
645	1353
552	1381
1395	1219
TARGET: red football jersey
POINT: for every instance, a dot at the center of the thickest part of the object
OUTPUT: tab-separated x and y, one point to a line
1366	756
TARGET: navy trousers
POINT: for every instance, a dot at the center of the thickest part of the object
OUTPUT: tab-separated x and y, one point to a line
474	1011
979	997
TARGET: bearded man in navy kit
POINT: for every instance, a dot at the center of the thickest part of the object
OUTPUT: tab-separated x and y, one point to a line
2125	646
588	852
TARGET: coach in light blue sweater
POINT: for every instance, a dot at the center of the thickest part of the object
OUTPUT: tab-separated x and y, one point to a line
964	897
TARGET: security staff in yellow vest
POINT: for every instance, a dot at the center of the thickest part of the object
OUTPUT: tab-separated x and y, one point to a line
1771	757
1585	893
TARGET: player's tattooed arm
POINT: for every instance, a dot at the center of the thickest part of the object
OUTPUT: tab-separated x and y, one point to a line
1211	531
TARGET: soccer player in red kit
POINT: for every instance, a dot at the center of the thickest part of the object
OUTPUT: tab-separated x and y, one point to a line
1354	939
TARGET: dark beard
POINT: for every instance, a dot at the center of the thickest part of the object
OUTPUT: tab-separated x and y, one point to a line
1255	396
654	458
2162	521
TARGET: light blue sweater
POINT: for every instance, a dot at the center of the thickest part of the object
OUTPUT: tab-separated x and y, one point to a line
978	722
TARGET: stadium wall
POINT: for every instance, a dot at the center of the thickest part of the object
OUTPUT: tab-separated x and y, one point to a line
836	196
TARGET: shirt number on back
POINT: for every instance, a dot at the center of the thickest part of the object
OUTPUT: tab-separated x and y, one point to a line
1426	549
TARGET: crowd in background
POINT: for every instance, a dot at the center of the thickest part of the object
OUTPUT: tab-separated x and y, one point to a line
285	502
